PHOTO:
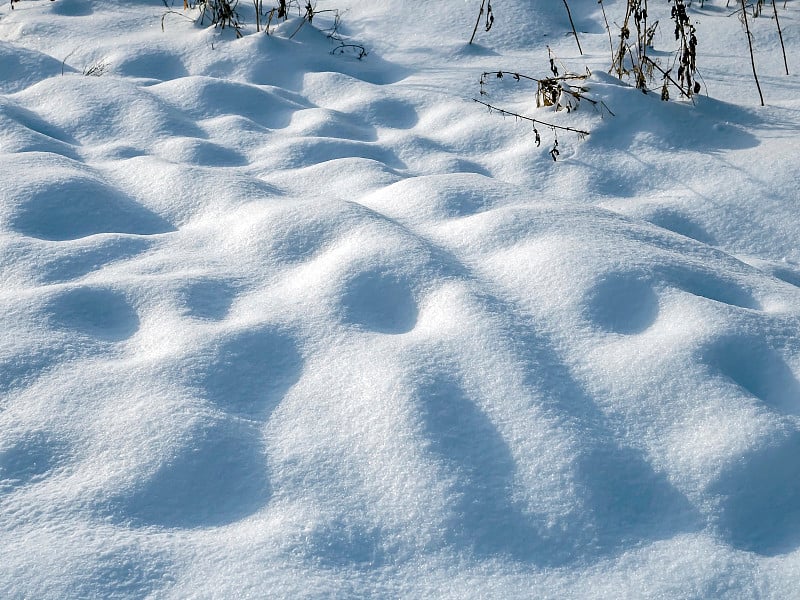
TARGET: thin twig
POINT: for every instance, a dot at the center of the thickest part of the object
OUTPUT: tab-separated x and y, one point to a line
64	62
307	18
608	29
503	111
652	63
780	36
257	6
575	33
173	12
750	44
299	27
478	21
568	77
518	76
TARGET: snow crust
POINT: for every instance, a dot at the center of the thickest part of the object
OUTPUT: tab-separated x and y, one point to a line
282	323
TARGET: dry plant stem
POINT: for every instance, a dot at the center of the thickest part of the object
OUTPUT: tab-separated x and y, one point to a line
173	12
299	27
572	24
270	14
687	51
750	45
643	32
306	19
516	75
477	21
502	111
64	62
653	64
780	35
619	59
257	6
608	29
574	94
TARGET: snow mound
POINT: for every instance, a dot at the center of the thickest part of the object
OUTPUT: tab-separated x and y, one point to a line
280	320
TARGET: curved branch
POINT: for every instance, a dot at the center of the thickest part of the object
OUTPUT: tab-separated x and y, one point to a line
503	111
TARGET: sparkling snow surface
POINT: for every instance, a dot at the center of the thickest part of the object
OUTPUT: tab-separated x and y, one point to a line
281	323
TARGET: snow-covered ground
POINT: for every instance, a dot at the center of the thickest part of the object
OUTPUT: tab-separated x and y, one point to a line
277	322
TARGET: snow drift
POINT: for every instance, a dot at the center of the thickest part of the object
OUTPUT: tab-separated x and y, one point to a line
281	322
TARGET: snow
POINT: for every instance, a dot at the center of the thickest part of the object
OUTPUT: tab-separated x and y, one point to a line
281	322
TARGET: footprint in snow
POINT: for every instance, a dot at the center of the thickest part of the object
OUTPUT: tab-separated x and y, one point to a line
760	499
158	64
627	302
72	8
208	299
389	112
100	313
469	445
679	223
627	502
78	206
249	373
708	284
759	370
31	458
623	303
219	474
216	477
380	301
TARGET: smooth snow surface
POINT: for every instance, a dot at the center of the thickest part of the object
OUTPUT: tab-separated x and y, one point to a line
277	322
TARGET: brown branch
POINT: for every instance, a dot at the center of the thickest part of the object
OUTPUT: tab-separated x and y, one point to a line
608	30
478	21
504	112
575	33
780	36
652	63
173	12
519	76
750	44
568	77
